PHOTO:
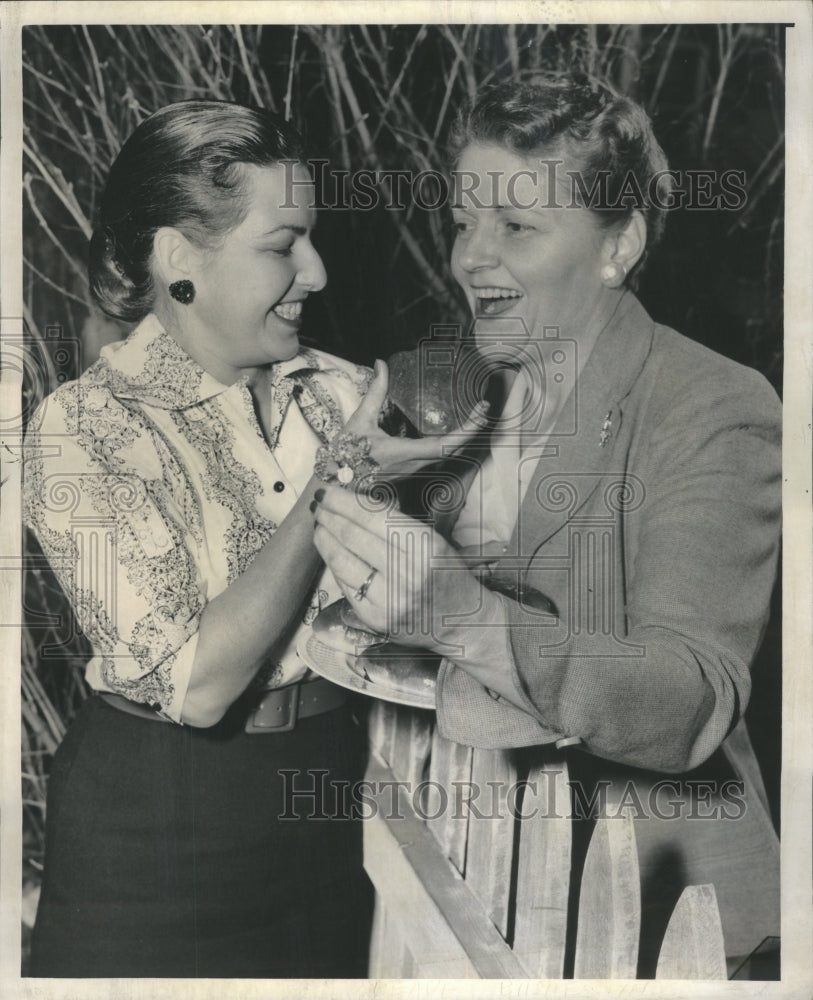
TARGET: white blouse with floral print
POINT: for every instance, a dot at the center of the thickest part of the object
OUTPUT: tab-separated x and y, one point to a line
150	488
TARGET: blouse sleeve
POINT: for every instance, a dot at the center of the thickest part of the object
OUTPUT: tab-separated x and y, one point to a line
96	500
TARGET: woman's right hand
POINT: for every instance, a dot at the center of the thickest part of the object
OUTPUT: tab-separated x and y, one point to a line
399	456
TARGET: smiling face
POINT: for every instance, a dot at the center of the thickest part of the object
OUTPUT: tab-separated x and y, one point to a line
517	259
249	292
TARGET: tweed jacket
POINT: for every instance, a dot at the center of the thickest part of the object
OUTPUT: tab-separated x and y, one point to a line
652	522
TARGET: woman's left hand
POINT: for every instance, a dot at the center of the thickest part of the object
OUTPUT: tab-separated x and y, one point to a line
417	582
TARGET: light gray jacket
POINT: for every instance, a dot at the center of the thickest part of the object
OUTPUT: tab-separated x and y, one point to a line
653	525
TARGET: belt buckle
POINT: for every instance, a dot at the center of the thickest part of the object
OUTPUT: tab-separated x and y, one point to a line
277	711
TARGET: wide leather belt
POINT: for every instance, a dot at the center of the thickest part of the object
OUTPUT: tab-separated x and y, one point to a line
279	710
276	711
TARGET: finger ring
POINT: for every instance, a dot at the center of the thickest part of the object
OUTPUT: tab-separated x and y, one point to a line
361	593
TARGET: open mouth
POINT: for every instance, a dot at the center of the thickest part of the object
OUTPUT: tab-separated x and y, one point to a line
291	312
493	301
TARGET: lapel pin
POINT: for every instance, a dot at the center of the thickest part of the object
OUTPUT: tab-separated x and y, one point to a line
606	429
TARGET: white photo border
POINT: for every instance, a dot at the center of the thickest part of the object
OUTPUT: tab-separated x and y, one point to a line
797	716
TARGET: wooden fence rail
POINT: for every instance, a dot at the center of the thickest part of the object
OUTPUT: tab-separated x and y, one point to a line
467	888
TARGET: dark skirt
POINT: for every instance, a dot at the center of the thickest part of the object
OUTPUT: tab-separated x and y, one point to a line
166	854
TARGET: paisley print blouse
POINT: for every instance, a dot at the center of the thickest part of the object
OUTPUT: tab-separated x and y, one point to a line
150	488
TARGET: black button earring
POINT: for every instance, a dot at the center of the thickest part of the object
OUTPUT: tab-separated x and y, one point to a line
182	291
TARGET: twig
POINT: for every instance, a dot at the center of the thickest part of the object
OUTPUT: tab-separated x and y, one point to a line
447	94
112	140
335	90
663	69
54	285
47	229
290	86
67	199
238	34
395	89
727	38
471	82
754	199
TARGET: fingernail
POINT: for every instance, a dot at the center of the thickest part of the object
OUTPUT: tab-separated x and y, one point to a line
319	496
312	506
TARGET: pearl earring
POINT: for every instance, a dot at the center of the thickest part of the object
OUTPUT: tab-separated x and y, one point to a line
611	273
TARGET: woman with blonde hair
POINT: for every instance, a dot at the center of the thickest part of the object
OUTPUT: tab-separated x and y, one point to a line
632	477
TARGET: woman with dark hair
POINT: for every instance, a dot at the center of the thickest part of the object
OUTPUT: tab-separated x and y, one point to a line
192	822
631	476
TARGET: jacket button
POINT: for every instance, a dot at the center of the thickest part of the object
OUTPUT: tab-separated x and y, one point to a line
279	487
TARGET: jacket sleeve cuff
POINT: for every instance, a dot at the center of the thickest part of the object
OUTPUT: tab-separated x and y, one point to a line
471	714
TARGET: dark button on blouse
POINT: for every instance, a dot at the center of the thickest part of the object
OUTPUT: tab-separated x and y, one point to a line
279	487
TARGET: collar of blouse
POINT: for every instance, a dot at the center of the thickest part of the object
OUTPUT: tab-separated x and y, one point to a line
151	367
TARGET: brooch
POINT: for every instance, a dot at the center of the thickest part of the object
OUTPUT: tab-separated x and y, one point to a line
606	429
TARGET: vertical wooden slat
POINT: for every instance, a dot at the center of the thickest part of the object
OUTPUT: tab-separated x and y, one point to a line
693	946
609	903
490	848
450	769
382	725
543	872
412	740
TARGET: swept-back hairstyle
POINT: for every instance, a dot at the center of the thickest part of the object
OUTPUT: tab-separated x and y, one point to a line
606	139
182	167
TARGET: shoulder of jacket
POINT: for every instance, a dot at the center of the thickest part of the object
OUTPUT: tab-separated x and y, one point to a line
685	372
